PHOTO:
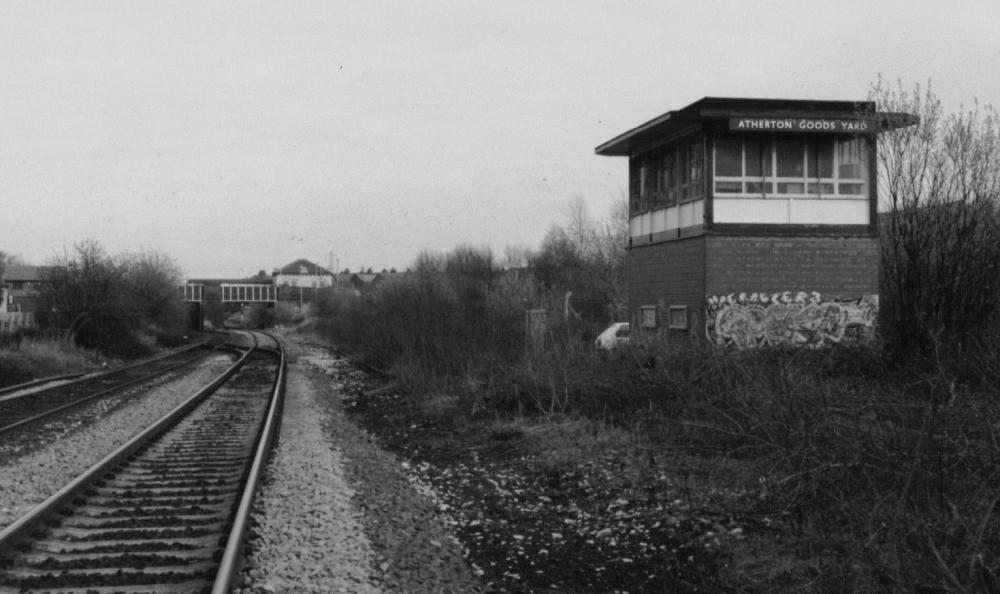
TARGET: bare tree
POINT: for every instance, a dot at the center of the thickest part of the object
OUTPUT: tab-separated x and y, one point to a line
113	304
150	281
587	257
515	256
939	185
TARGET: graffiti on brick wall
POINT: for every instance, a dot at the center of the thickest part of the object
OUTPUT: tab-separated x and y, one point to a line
749	320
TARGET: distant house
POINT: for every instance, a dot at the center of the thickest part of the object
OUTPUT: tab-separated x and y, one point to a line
26	302
303	273
363	282
342	280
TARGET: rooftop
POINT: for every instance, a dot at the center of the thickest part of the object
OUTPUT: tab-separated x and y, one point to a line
684	120
303	266
26	273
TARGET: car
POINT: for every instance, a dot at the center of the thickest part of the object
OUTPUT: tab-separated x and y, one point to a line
613	336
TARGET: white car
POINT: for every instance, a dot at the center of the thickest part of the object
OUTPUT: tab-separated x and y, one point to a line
613	336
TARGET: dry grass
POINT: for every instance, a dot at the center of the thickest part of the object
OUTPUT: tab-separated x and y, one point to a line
858	476
40	358
561	441
851	472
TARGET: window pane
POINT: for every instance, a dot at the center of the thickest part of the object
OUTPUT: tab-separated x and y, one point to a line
754	165
820	155
728	187
790	188
649	179
633	165
683	160
697	161
759	188
668	170
643	175
821	189
789	158
852	159
729	158
855	189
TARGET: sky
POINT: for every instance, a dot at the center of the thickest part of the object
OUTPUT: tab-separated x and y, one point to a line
240	136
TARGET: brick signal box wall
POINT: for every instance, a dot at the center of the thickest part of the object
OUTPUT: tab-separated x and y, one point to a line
756	279
837	267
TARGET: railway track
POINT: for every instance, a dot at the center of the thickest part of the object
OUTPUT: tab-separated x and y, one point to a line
17	410
167	511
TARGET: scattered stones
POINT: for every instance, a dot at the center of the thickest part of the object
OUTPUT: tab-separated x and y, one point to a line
335	498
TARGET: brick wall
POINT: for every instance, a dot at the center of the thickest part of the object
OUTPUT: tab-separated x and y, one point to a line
836	267
665	274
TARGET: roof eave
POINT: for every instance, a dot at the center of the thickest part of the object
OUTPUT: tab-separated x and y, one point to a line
619	145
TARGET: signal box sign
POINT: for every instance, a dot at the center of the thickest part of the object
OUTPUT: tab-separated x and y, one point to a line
810	125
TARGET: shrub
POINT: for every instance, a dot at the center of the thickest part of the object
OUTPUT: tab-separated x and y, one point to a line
116	304
940	229
41	357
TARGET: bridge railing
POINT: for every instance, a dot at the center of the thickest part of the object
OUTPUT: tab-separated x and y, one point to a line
247	293
192	292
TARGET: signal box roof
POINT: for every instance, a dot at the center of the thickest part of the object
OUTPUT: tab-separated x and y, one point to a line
707	109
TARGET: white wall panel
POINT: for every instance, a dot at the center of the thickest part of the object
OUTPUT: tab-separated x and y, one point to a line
750	210
659	220
634	226
672	217
830	212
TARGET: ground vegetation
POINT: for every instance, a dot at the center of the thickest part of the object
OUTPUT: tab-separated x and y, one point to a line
845	469
674	466
939	185
24	357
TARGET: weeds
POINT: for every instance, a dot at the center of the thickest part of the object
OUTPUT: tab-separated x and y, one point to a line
861	473
39	357
881	477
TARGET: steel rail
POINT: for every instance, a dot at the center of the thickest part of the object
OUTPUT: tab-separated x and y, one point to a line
102	374
232	556
23	526
39	381
102	393
94	396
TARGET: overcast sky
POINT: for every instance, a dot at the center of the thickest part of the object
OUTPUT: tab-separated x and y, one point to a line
237	136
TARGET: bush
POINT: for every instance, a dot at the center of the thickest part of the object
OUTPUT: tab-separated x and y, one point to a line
121	306
891	468
940	229
41	357
260	316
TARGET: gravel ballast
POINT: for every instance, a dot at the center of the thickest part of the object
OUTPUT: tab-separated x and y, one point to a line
31	478
337	513
307	536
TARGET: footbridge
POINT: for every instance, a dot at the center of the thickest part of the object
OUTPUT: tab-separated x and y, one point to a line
216	299
229	292
248	293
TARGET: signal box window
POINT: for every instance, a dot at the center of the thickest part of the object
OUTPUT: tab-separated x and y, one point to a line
791	166
667	176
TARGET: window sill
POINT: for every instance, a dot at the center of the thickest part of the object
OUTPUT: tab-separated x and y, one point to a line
789	196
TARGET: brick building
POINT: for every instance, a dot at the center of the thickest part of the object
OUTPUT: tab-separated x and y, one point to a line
26	301
755	220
